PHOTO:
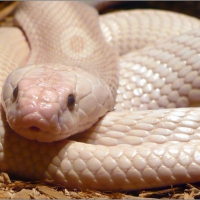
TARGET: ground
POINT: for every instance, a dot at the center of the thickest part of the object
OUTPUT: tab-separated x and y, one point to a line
47	190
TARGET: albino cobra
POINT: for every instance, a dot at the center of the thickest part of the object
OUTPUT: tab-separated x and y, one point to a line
118	80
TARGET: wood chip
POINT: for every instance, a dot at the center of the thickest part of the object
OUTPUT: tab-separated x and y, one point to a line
51	193
5	195
4	178
23	194
8	10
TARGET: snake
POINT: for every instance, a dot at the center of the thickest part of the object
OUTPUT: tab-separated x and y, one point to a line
106	102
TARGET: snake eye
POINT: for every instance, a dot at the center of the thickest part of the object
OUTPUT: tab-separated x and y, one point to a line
70	101
15	93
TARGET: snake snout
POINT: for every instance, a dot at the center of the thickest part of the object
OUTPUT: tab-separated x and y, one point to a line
34	126
35	122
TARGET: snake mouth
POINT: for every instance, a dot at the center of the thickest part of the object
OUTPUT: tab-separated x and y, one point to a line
35	133
35	129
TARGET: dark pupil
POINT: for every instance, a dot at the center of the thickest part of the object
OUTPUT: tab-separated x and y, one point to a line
71	101
15	93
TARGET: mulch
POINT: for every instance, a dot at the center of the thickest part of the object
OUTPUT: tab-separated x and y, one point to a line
19	189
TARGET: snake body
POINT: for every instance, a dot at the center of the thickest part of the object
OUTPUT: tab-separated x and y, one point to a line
107	103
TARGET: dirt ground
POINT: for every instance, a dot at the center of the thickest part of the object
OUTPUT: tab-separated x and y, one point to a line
18	189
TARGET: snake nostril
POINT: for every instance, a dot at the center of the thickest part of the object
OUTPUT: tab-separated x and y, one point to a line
15	93
34	128
71	101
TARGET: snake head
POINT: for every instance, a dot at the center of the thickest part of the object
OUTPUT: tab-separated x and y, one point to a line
50	102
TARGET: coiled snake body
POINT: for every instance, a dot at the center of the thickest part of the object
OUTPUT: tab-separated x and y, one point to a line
117	80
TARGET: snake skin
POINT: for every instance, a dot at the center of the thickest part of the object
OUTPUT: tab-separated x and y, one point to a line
136	115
